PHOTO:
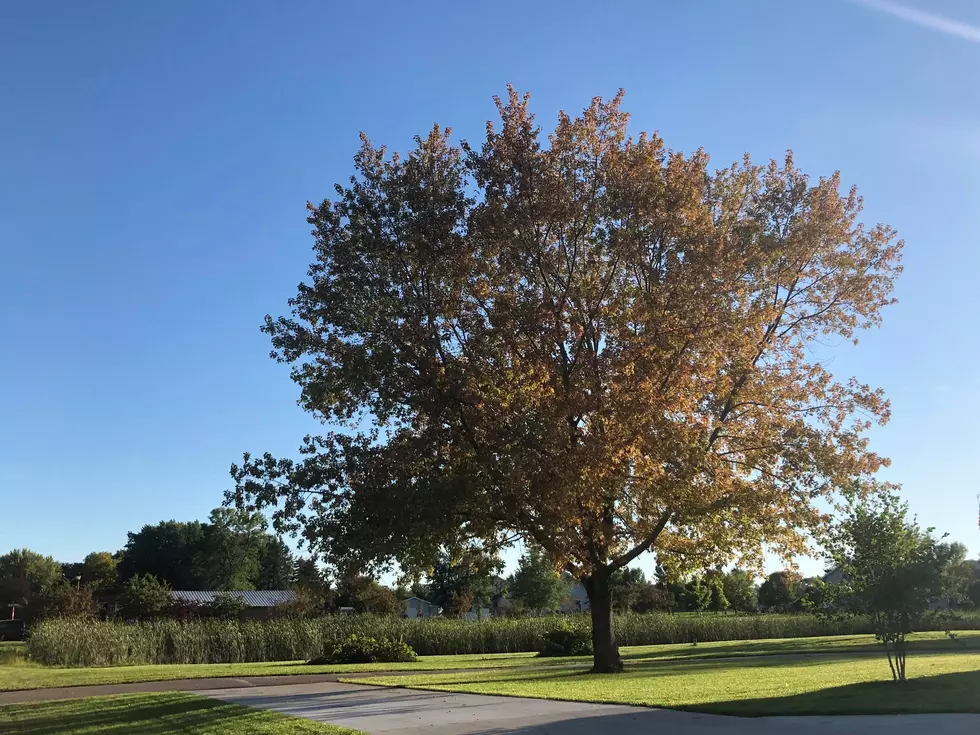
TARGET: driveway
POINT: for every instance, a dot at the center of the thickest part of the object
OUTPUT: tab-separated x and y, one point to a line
377	710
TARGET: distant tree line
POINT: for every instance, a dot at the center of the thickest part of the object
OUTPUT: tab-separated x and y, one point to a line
233	550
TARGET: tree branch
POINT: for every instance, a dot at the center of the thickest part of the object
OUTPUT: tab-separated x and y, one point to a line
622	561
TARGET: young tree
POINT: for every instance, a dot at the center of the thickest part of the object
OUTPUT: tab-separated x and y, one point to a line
595	343
535	585
892	572
741	591
780	591
695	596
718	602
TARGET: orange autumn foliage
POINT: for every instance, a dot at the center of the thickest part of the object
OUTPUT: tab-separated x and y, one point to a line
592	341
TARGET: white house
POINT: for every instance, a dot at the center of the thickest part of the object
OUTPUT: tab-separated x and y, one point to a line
416	607
577	600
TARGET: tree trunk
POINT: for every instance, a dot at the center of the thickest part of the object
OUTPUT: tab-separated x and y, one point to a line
605	652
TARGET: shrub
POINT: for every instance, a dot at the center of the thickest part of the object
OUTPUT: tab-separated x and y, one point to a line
65	600
306	604
566	641
224	607
362	649
144	597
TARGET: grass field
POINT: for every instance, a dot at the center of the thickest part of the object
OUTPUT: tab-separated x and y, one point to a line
146	714
25	675
752	686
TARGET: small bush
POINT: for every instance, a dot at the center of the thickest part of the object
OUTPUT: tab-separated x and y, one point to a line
362	649
144	597
566	641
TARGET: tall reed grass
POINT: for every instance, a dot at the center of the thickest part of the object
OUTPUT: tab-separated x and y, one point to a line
66	642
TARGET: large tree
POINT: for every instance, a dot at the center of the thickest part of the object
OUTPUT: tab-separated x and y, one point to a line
26	577
170	551
588	340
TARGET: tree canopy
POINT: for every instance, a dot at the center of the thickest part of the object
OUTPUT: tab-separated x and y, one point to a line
26	577
586	339
232	551
780	590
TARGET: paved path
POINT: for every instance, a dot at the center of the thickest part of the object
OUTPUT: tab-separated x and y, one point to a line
194	685
382	711
169	685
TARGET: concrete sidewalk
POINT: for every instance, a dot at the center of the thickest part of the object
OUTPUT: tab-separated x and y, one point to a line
168	685
378	710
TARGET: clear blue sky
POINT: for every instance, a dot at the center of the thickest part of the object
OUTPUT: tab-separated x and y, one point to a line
156	158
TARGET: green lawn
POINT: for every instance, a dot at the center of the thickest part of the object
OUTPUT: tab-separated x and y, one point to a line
25	675
170	712
785	685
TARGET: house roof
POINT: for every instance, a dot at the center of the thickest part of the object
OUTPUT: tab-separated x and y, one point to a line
252	598
416	598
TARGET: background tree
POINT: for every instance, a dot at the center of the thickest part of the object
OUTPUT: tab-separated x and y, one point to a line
25	577
170	551
598	344
780	591
72	570
973	592
232	549
650	598
277	566
463	579
625	585
957	574
144	597
716	587
695	596
535	585
366	595
99	569
814	596
892	572
740	589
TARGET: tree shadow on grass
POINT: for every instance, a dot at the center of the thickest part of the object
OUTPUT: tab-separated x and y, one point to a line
792	647
942	693
138	714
